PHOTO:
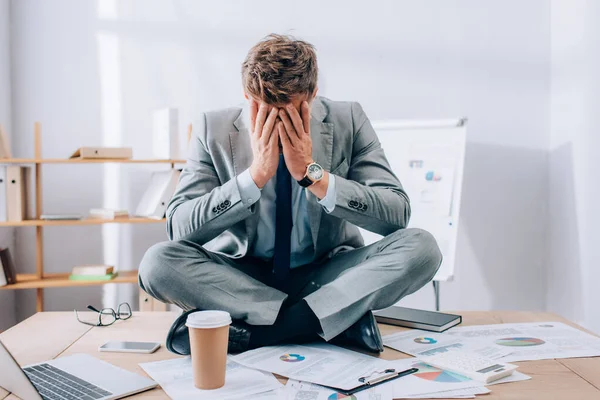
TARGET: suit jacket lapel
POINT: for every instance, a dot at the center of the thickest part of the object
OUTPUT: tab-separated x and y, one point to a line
322	141
241	155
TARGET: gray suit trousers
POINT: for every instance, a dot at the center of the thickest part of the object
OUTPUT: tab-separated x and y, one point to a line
339	290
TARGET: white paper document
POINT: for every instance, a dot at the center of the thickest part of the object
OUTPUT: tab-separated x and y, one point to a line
428	379
514	377
176	379
277	394
531	340
297	390
420	343
468	393
323	364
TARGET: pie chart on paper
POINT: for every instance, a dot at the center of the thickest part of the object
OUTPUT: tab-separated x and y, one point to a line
292	358
430	373
339	396
425	340
520	342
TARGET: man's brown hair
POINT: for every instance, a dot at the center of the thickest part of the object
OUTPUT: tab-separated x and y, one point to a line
278	68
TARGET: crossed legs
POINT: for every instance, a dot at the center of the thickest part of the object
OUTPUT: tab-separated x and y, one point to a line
339	291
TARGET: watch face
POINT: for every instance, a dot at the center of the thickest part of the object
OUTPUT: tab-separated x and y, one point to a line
315	172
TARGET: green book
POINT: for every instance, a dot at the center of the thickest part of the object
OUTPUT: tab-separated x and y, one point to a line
106	277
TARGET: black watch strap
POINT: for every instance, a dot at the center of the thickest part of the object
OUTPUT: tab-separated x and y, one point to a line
305	182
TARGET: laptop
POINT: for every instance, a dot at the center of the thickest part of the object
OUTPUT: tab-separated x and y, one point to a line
76	377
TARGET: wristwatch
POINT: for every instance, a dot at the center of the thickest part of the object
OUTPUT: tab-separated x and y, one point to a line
314	173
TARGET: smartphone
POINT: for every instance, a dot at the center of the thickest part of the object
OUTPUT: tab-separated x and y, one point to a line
130	347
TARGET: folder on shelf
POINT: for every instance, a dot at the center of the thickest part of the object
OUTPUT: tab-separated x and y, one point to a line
17	192
4	146
3	280
3	214
165	133
8	266
113	153
156	198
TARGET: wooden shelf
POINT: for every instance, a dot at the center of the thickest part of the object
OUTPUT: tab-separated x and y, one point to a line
40	280
86	161
31	281
82	222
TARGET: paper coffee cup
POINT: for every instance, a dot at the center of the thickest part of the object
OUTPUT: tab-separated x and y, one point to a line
209	334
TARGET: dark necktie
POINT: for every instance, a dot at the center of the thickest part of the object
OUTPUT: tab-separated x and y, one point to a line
283	226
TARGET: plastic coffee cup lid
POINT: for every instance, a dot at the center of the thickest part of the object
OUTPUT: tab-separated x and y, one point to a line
208	319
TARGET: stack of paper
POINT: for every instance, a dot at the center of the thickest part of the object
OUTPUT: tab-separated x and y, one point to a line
296	390
314	371
506	342
176	379
108	213
335	367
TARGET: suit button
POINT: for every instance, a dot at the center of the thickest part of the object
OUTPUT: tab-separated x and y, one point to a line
352	203
214	209
227	203
364	207
219	207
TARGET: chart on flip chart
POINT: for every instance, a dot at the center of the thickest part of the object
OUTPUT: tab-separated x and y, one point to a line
428	158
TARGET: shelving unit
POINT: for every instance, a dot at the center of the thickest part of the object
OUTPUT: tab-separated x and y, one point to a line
82	222
40	280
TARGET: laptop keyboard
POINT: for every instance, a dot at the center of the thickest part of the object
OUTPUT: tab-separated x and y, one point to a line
55	384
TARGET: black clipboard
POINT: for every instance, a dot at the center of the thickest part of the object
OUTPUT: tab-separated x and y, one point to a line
376	378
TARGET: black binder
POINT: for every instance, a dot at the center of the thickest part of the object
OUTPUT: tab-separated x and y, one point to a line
376	378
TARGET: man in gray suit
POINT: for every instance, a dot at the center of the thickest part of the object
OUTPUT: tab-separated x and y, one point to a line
263	223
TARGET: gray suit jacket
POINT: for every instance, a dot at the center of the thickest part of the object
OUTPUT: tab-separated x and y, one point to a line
207	208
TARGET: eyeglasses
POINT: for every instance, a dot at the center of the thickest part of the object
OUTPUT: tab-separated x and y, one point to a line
108	316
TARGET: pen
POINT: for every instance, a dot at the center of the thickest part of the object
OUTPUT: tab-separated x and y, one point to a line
394	375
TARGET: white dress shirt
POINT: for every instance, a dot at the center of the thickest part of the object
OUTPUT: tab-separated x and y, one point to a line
264	243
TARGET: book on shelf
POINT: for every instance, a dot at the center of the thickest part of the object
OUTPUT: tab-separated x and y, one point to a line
8	267
102	153
105	277
108	213
92	270
18	181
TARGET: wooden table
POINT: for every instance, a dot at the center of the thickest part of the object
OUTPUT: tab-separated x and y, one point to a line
49	335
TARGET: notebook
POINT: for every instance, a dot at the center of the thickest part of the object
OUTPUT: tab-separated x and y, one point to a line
418	319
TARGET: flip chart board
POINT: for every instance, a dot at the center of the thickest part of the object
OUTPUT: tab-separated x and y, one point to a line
428	158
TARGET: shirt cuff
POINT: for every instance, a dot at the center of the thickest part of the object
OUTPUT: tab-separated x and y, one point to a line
328	202
249	192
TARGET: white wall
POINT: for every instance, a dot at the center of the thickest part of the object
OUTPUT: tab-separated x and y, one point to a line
93	74
574	162
7	298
